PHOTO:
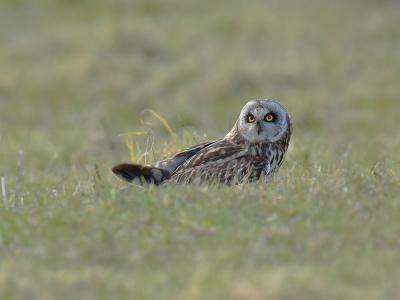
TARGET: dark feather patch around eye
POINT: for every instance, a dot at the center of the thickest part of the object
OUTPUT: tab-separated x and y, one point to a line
267	117
250	118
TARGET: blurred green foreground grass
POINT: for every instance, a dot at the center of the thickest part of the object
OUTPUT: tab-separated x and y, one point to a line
74	75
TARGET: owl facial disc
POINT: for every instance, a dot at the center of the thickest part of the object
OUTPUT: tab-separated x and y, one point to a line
262	120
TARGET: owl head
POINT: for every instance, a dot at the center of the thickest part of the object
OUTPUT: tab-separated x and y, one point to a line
263	121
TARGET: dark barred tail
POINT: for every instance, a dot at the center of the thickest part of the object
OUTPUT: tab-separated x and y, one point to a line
131	172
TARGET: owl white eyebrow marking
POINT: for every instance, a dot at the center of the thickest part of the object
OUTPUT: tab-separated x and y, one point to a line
241	155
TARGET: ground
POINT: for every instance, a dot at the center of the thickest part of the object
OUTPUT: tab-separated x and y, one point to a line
75	77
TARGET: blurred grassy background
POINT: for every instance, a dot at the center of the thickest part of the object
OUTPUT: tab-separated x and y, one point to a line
76	74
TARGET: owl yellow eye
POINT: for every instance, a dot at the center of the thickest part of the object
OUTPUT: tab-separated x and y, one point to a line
251	118
269	118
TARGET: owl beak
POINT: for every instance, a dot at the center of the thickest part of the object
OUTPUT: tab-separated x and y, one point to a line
258	128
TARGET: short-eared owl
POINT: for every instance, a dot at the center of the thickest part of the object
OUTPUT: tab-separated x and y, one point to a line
254	148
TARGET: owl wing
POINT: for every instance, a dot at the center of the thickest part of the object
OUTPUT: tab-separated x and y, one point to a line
170	164
159	171
224	161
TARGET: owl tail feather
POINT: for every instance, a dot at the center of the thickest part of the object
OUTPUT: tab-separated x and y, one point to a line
141	173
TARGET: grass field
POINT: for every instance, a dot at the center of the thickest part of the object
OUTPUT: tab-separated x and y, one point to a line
74	75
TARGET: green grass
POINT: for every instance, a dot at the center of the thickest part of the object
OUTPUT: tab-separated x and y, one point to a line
74	75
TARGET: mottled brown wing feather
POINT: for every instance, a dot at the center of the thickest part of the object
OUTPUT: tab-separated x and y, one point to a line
222	160
216	153
235	170
130	172
170	164
194	149
159	171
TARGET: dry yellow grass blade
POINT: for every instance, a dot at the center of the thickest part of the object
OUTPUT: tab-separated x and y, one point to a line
163	121
129	142
133	133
